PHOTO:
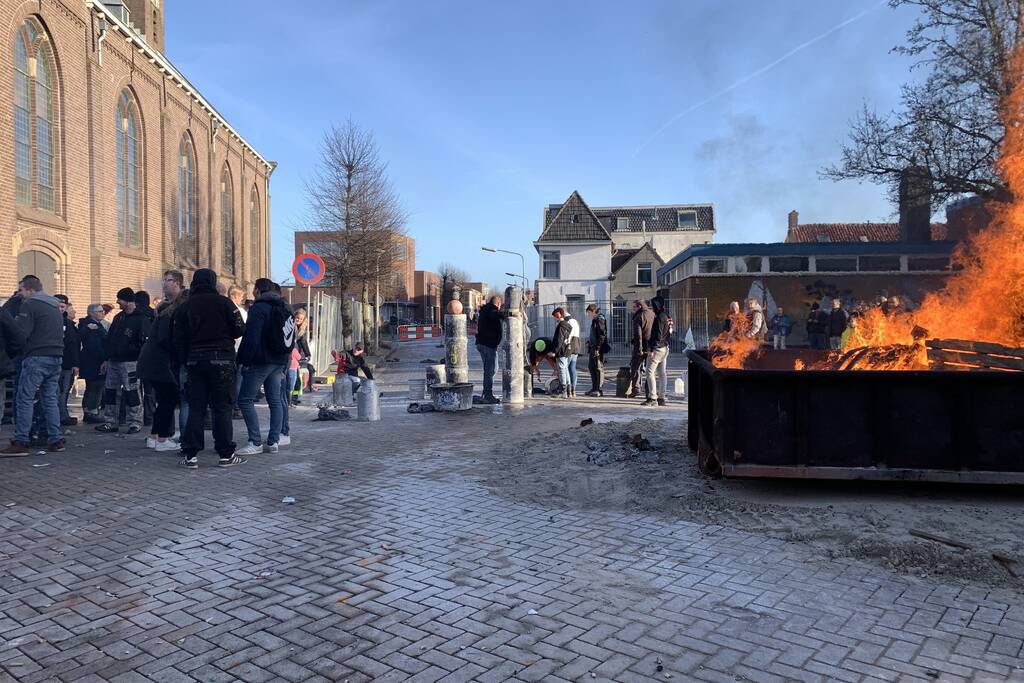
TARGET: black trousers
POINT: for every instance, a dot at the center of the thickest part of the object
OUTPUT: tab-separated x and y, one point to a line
636	373
93	399
149	399
210	383
166	396
596	366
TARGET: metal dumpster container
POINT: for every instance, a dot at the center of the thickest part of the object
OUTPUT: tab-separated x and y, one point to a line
932	425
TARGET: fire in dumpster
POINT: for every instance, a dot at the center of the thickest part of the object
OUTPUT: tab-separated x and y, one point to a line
982	300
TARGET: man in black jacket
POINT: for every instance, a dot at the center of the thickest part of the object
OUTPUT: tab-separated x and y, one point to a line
657	355
488	336
11	342
205	329
597	346
91	333
838	320
69	367
562	351
122	345
643	321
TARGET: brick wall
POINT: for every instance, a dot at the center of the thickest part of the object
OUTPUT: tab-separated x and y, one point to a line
81	236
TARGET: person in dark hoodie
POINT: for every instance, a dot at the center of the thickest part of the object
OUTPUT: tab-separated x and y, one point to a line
657	356
159	368
41	324
204	332
90	359
643	322
11	342
263	355
561	351
122	345
597	347
148	392
69	366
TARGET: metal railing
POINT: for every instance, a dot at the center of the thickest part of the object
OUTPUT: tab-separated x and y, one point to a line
690	318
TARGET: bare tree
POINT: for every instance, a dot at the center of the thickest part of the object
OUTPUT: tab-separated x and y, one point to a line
950	123
452	278
354	204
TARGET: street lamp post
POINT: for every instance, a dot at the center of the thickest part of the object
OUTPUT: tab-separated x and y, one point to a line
494	250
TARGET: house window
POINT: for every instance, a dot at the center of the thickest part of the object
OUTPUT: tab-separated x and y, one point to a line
710	265
836	265
622	223
129	171
227	219
879	263
186	239
686	220
643	273
789	264
551	265
254	232
35	135
749	264
927	263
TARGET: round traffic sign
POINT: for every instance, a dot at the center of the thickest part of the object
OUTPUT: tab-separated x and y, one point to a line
308	269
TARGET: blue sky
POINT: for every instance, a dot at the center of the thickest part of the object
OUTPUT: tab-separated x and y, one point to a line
488	111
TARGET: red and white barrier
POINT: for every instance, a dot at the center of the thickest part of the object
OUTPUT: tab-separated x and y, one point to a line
409	332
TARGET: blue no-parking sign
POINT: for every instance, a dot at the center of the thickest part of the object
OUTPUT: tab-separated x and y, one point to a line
308	269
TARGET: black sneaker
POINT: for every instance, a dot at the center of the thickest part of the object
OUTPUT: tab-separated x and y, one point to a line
94	419
662	402
232	461
648	403
107	428
57	446
190	462
134	429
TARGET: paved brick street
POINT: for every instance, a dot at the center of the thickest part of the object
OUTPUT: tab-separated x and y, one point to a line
397	563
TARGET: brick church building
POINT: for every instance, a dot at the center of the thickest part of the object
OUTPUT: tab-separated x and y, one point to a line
113	167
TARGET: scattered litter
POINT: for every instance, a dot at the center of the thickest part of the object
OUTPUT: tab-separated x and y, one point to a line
108	451
288	500
532	612
586	421
641	443
415	408
658	664
9	505
331	414
41	464
40	453
680	495
265	574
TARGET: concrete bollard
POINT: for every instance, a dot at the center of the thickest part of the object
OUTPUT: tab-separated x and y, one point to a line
456	357
368	402
342	391
512	350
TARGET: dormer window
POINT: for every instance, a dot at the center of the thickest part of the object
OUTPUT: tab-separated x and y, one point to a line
686	220
575	218
622	223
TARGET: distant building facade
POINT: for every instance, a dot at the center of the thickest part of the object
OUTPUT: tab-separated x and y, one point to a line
578	244
113	167
396	283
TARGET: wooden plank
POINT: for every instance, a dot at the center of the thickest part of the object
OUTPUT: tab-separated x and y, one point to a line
981	360
974	346
938	539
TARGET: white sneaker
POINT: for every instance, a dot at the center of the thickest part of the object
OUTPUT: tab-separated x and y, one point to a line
249	449
270	448
151	442
162	446
284	440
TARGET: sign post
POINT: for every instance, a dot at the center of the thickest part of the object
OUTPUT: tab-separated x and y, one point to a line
308	270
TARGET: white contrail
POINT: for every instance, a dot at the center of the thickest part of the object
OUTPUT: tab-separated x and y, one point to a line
757	73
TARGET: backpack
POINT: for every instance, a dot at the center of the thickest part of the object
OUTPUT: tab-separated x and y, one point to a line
279	332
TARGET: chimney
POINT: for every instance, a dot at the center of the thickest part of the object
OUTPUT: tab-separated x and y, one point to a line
915	198
794	221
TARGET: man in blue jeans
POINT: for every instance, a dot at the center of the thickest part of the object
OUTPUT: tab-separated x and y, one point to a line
561	351
41	323
263	354
488	336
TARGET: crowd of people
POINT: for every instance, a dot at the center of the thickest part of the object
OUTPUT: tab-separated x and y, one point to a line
651	326
826	329
204	352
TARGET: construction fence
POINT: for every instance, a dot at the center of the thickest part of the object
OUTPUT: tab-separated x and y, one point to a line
690	318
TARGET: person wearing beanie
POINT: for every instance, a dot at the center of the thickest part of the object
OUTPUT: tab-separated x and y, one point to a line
121	345
142	305
204	331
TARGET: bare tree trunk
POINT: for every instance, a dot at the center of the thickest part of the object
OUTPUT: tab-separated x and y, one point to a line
369	330
346	322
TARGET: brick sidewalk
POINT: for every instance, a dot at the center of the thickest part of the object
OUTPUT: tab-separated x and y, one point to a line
396	564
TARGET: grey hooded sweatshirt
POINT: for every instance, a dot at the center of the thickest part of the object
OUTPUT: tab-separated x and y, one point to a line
42	324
